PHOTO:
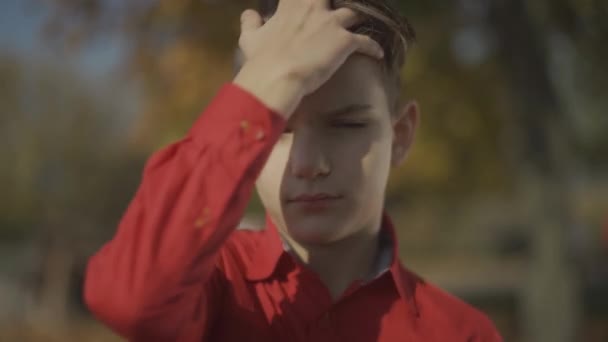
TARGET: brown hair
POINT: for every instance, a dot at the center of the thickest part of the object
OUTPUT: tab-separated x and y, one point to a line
383	23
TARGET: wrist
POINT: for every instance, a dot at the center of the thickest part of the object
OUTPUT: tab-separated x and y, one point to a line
278	90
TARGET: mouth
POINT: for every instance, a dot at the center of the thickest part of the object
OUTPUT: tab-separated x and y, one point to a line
314	202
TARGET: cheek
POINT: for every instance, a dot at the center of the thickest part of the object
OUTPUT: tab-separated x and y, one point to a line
269	181
375	166
365	157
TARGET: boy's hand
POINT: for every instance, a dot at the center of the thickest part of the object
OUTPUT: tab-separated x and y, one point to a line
297	50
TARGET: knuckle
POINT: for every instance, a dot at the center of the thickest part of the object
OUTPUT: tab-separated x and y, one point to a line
245	15
244	45
331	20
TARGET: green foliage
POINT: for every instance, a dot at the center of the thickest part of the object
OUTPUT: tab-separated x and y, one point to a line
63	167
470	141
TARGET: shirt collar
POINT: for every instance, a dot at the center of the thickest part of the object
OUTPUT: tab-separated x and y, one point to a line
406	282
270	250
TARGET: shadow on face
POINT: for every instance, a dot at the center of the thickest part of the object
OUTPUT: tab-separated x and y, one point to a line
338	143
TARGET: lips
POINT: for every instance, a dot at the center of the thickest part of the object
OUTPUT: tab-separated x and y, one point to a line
314	203
313	197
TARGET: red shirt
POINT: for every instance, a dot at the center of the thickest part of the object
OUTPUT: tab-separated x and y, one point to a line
177	270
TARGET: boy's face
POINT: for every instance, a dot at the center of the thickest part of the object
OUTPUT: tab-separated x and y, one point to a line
345	154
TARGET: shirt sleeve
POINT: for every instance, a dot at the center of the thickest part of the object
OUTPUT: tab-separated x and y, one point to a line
149	281
487	331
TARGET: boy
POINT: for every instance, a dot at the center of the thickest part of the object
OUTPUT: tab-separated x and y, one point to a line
313	120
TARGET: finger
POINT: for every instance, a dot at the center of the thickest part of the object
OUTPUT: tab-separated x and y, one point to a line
368	46
250	20
347	17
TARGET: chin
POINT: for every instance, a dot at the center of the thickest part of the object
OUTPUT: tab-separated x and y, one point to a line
316	227
314	233
310	237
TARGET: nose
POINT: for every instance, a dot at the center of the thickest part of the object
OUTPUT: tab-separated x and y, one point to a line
307	157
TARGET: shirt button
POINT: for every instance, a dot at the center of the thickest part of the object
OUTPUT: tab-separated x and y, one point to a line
260	135
244	125
201	220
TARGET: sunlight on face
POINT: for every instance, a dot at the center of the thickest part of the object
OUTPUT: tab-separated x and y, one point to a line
338	142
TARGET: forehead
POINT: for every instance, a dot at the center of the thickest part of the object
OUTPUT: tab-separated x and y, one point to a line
358	81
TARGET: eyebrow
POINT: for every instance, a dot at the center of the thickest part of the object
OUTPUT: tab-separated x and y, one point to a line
348	109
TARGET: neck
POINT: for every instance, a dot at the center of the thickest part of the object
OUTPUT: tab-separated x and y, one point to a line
340	263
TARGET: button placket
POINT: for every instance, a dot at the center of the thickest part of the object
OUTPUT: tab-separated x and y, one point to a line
324	322
320	329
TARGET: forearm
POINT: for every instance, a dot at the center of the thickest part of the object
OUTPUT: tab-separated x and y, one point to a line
192	196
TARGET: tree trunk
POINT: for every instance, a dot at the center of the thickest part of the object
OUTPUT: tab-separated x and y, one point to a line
551	302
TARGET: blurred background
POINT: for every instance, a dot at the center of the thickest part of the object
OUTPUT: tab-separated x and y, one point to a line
503	201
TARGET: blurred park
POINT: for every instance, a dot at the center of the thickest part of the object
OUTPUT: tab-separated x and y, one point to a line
503	200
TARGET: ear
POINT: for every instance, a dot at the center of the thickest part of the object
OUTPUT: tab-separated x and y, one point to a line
405	122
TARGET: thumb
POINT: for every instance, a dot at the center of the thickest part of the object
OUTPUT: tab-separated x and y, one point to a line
250	20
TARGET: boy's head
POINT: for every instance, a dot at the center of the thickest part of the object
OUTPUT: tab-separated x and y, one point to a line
343	138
